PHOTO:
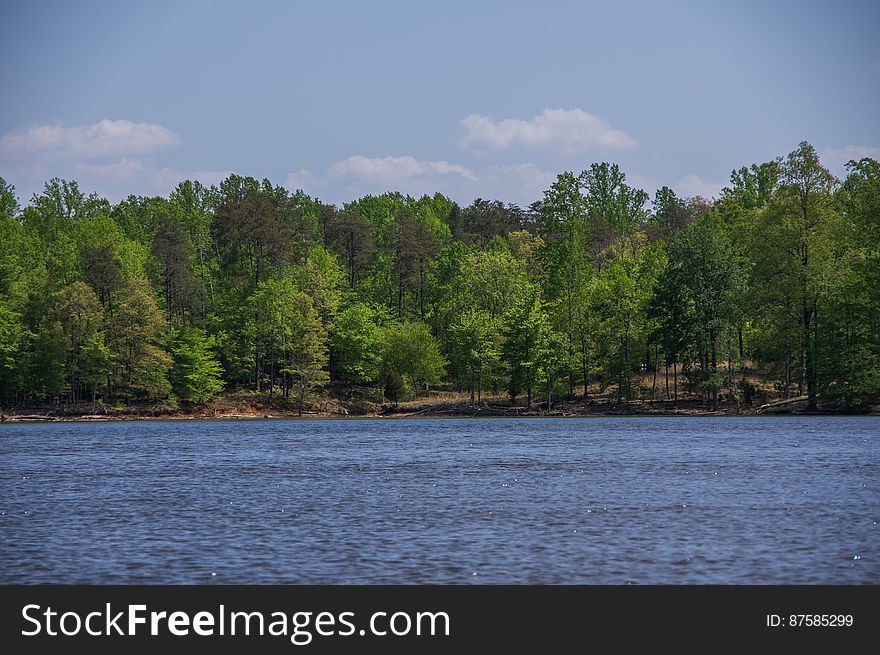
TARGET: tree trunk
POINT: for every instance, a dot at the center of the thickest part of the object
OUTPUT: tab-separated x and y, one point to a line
570	345
586	377
272	375
656	362
400	298
675	382
666	367
714	385
809	364
788	377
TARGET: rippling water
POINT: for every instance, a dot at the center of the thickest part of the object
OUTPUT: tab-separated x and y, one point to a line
618	500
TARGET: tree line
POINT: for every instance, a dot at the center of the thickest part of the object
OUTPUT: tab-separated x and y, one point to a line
595	289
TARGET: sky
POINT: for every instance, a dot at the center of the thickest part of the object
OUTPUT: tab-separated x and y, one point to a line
471	99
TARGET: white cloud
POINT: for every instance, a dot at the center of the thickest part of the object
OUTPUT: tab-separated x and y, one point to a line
359	175
518	183
694	185
566	130
394	170
109	157
118	179
302	179
102	139
530	175
120	170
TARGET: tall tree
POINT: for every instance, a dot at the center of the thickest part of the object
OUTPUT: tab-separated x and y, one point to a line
706	274
75	319
171	250
350	234
415	244
355	345
137	332
525	331
796	229
196	375
306	359
474	348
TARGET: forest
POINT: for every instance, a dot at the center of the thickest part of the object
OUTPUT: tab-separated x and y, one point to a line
769	291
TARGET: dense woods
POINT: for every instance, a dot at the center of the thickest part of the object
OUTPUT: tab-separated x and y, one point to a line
773	288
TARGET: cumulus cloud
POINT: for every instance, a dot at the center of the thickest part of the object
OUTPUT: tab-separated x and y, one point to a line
116	180
694	185
302	179
359	175
566	130
518	183
102	139
111	157
394	170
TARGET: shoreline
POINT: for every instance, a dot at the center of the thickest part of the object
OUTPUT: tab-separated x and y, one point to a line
433	411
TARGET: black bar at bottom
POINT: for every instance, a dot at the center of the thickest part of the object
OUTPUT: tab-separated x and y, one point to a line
352	618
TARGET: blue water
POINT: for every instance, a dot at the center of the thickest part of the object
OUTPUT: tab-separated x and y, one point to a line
617	500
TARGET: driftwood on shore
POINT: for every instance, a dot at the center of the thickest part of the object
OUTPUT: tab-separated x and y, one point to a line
783	406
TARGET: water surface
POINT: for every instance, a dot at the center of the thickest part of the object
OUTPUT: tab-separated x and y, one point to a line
599	500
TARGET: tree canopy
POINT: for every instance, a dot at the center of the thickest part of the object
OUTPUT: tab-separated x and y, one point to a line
773	287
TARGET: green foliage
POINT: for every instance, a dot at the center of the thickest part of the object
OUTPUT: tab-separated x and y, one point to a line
196	375
8	200
355	344
74	319
395	387
306	359
474	349
136	331
525	345
248	285
411	350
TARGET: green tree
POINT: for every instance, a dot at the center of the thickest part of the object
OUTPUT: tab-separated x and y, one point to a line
355	345
196	375
306	359
411	350
706	274
614	298
612	202
796	235
475	348
848	353
525	331
351	235
75	318
137	331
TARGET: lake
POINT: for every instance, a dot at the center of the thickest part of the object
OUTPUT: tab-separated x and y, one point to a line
596	500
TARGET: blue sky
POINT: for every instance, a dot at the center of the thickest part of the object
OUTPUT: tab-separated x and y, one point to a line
473	99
